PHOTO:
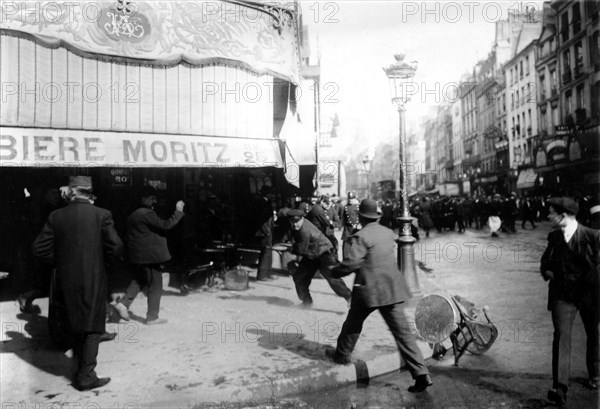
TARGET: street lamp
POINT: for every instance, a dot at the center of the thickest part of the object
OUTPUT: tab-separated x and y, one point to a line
367	164
399	75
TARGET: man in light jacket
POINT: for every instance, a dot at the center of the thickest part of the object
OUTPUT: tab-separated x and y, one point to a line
378	285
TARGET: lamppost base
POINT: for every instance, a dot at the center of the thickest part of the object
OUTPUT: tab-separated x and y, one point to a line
406	257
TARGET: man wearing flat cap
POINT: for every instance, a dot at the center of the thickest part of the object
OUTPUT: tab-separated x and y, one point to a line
79	240
147	250
378	285
571	264
316	254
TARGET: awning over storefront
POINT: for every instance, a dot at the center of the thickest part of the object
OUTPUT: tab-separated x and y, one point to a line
300	144
260	37
39	147
526	179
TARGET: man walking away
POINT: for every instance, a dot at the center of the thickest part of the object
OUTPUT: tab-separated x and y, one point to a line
378	286
527	212
79	240
147	249
571	263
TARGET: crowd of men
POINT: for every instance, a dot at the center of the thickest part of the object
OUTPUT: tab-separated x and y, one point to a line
79	240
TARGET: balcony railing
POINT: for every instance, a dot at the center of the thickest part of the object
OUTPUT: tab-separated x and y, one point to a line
579	70
566	77
553	92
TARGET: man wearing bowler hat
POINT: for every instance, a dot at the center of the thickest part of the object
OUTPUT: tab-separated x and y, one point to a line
571	264
147	250
79	240
316	254
378	285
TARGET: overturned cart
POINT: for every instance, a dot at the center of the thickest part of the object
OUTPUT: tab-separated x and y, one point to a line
439	317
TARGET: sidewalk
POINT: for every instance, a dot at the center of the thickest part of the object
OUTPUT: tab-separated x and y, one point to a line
217	346
258	345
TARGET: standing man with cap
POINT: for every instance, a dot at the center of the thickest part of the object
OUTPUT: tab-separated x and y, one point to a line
315	253
350	222
378	286
571	263
79	240
263	214
147	249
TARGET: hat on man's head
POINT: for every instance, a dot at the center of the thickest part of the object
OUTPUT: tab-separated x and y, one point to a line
80	181
564	205
351	195
304	207
325	198
295	213
368	208
148	191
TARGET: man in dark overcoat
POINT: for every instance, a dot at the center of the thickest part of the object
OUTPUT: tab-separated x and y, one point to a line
571	264
378	285
147	250
350	222
79	240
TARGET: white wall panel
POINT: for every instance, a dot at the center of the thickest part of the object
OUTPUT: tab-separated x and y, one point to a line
84	93
159	99
43	68
171	97
184	99
74	91
118	98
198	119
146	99
58	89
132	98
91	93
105	86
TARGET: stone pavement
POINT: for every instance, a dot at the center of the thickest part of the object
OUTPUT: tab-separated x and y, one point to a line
217	346
258	345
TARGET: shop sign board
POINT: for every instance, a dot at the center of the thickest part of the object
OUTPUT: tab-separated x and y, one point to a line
120	177
63	148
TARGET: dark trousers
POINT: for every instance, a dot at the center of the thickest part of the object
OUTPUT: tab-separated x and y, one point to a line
147	276
85	351
460	220
527	217
400	328
563	316
265	259
306	271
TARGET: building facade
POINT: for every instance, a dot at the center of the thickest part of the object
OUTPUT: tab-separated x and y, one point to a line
567	156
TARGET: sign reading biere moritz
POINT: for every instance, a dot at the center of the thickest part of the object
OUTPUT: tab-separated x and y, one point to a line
53	147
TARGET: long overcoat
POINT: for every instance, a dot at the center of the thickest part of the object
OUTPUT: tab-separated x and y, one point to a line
79	240
372	257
